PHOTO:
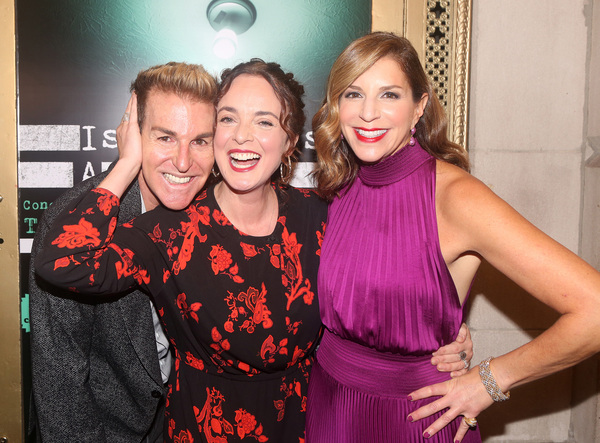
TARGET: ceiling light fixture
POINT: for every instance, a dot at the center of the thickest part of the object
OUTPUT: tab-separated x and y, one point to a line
229	18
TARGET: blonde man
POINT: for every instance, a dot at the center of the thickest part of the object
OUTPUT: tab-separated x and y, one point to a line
100	369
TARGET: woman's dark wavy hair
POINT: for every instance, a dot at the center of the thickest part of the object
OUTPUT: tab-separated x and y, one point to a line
337	166
289	92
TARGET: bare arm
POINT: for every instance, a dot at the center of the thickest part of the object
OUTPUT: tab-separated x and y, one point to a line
474	220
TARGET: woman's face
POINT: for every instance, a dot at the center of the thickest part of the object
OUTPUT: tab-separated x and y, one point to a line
249	139
377	111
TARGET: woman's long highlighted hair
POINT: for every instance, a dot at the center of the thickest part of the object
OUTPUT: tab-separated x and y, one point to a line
337	166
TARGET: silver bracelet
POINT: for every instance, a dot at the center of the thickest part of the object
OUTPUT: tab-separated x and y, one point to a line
489	381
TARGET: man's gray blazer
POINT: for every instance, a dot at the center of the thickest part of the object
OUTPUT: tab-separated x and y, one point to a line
95	371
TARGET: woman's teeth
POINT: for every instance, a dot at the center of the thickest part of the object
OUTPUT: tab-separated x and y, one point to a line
371	134
244	159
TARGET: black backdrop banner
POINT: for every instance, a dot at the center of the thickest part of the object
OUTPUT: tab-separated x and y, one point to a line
77	58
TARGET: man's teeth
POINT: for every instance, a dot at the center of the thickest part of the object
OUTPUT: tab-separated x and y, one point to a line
177	180
371	134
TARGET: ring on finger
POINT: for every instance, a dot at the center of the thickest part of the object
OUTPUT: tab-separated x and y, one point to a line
471	422
463	357
125	117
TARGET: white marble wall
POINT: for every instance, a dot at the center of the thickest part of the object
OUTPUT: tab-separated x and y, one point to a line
528	134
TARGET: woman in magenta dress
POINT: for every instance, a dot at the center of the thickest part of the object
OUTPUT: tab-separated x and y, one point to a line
405	232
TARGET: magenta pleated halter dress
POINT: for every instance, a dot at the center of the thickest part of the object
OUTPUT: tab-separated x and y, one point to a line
387	301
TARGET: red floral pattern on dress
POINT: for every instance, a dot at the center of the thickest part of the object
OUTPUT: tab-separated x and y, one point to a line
221	263
292	327
216	427
171	427
235	307
320	237
106	203
219	346
193	361
199	214
246	423
289	261
187	248
220	218
177	367
184	436
253	311
210	418
247	426
190	231
185	310
268	349
292	388
249	250
220	259
126	267
62	262
79	235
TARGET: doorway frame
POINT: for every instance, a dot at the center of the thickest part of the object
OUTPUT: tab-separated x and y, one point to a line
11	406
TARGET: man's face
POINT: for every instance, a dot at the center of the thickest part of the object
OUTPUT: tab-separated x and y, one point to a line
177	149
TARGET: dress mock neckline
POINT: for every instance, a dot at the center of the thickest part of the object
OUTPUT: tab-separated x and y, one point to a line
395	167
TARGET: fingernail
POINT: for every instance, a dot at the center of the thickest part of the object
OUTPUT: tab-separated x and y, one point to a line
410	419
410	397
426	435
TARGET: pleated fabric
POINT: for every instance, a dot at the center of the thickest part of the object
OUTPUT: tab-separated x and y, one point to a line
387	301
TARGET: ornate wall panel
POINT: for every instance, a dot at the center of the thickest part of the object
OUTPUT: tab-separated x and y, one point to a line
441	33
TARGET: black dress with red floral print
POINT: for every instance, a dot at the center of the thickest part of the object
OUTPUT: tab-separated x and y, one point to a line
241	312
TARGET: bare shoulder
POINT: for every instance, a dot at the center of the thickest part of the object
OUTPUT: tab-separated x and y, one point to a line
469	213
458	193
472	219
